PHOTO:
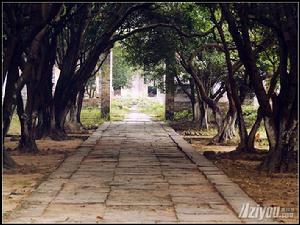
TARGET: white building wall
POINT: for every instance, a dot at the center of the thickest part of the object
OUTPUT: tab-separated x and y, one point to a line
56	72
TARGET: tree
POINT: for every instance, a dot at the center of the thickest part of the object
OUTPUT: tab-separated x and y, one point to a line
111	18
235	107
280	122
36	30
158	47
31	31
122	72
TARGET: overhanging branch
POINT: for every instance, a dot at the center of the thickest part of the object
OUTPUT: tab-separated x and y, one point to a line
152	26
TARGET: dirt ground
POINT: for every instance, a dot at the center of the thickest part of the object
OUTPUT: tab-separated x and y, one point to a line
268	190
34	168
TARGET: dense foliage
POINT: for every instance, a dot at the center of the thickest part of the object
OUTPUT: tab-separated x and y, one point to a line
122	71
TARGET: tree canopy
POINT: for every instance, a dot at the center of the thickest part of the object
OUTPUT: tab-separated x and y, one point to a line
122	70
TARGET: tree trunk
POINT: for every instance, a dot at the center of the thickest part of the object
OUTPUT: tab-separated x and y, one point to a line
170	88
283	156
204	115
27	140
191	94
9	105
10	97
282	129
8	161
79	105
233	94
60	118
193	110
28	121
197	116
105	89
62	96
37	60
72	125
46	123
252	134
192	97
37	33
228	129
11	51
283	139
210	102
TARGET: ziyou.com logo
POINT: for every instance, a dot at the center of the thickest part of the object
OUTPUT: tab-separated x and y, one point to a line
268	212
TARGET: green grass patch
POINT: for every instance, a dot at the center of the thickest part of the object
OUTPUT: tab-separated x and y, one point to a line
119	108
15	127
211	131
91	116
250	113
151	108
184	115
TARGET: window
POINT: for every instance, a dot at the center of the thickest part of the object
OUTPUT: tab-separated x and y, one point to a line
152	91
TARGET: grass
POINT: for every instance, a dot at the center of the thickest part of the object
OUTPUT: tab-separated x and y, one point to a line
151	108
121	106
183	115
91	116
119	109
15	128
211	131
250	113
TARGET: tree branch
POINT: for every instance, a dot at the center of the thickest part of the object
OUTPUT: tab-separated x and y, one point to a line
182	86
152	26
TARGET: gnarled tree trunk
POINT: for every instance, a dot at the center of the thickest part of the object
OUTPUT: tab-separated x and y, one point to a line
228	129
8	162
73	124
280	122
46	124
234	100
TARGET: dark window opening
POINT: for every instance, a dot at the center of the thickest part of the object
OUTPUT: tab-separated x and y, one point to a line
152	91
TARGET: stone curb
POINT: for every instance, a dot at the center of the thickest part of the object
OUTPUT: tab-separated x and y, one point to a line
228	190
38	200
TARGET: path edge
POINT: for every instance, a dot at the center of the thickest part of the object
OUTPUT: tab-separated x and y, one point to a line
227	189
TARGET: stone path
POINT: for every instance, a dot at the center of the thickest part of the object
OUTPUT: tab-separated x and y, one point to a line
128	172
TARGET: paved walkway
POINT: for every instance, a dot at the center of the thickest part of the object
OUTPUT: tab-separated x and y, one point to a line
129	171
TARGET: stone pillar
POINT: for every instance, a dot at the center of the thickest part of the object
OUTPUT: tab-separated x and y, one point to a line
170	89
105	88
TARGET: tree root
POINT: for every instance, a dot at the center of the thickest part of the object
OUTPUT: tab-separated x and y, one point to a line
8	162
